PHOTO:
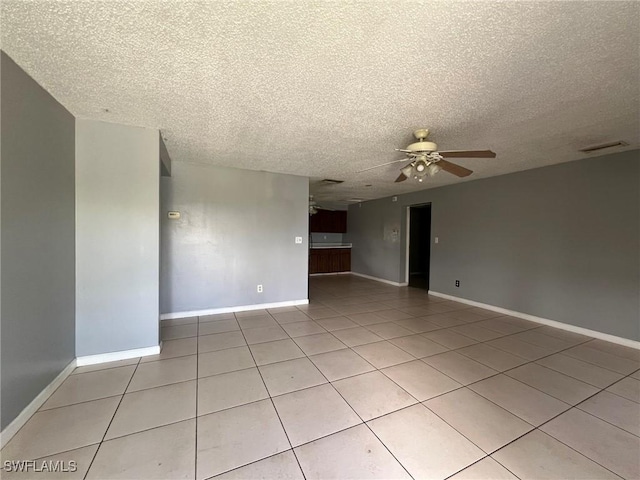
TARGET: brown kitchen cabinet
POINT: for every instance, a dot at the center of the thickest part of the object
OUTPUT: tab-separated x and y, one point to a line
329	260
328	221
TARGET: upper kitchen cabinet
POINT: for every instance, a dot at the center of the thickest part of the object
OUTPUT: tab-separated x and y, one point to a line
328	221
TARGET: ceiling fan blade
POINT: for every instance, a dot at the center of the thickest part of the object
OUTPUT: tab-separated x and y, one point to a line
457	170
468	154
381	165
401	178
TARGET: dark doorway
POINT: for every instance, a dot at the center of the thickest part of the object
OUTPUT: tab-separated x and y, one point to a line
419	245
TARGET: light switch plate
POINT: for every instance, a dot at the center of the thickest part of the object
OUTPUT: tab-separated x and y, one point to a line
298	239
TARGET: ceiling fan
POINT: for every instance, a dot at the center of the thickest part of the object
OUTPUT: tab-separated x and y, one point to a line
427	160
314	207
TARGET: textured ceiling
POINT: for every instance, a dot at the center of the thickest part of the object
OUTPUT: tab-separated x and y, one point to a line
324	89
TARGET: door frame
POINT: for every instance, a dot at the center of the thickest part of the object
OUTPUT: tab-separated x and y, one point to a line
408	239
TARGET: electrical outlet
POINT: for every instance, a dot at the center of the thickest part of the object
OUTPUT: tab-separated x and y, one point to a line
259	288
457	283
298	239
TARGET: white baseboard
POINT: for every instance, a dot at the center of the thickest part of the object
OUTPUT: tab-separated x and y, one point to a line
239	308
28	411
544	321
114	356
332	273
388	282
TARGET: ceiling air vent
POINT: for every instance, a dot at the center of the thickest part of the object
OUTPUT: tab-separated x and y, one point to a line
597	148
329	181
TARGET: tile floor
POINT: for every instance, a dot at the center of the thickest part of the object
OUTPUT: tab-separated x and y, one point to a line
367	381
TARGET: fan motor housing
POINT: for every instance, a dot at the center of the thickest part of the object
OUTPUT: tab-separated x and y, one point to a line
423	147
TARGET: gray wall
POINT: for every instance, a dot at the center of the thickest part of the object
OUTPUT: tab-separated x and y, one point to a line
38	253
117	237
558	242
237	230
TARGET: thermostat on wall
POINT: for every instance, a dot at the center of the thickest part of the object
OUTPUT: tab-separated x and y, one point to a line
173	215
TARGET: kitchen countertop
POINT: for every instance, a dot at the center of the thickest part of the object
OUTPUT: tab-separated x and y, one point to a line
315	246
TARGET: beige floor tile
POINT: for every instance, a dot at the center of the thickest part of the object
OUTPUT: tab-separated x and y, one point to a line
636	375
418	346
164	372
336	323
264	334
251	313
282	466
538	338
291	317
521	348
90	386
449	338
418	325
285	377
580	370
485	469
420	380
467	315
322	313
282	309
628	388
539	456
368	318
278	351
553	383
533	406
610	446
571	337
417	311
500	326
492	357
179	331
462	369
340	364
105	366
300	329
356	336
164	452
82	457
445	321
349	460
232	438
319	343
61	429
602	359
389	330
220	341
476	332
483	422
373	394
152	408
174	348
258	321
424	444
616	410
230	390
392	315
223	361
615	349
216	316
314	413
383	354
221	326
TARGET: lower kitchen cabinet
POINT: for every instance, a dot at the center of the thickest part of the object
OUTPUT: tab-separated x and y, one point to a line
329	260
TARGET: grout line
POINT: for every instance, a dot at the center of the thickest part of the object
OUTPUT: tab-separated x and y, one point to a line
273	405
111	421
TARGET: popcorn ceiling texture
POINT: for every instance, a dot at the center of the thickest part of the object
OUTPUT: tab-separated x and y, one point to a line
324	89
